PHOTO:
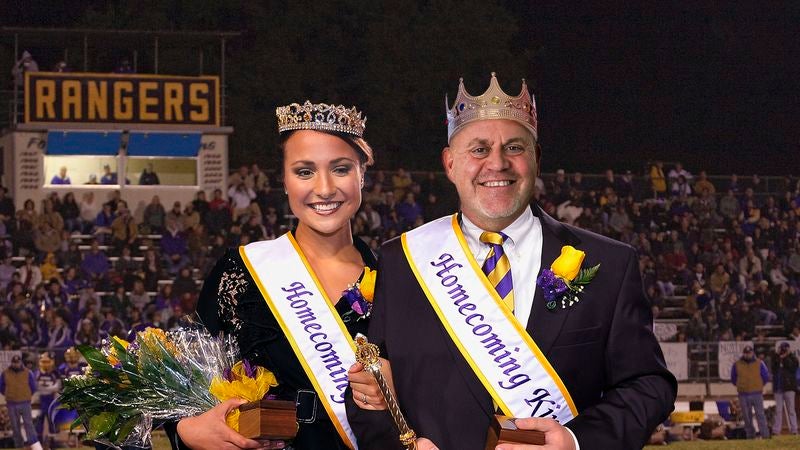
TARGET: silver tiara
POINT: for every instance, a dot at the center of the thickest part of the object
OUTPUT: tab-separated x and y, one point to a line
320	117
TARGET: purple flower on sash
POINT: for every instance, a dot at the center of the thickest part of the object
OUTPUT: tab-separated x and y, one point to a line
356	300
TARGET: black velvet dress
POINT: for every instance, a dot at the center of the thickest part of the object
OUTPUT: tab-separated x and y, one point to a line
231	302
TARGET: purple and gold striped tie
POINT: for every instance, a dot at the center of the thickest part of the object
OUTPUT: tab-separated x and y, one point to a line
497	268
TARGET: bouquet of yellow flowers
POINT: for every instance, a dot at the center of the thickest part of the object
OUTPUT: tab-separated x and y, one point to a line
160	376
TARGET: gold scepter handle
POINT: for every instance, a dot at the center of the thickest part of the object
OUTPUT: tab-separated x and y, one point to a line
367	354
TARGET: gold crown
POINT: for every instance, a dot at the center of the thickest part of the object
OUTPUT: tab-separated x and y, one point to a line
320	117
492	104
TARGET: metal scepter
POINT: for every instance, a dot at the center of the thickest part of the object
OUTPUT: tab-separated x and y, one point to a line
367	354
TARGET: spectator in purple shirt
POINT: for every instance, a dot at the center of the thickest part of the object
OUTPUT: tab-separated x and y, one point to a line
111	326
409	210
18	384
28	334
749	374
61	178
103	221
95	264
175	249
59	333
7	271
137	324
55	293
72	283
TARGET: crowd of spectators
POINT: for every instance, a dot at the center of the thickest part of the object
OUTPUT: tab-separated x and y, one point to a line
725	257
76	272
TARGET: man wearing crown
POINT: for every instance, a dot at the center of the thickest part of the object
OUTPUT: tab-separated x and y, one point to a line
502	309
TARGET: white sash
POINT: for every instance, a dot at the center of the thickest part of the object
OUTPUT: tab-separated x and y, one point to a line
308	319
501	353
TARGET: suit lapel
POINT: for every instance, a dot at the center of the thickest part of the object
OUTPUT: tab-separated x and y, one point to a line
544	325
481	395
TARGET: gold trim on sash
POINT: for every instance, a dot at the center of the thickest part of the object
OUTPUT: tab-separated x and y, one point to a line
508	314
287	332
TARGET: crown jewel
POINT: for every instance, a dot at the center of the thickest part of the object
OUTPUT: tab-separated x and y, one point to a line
320	117
492	104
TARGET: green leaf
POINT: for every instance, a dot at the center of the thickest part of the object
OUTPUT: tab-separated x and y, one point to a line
126	429
76	423
101	424
586	275
97	360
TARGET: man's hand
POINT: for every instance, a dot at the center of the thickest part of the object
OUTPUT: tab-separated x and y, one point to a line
556	436
366	393
208	431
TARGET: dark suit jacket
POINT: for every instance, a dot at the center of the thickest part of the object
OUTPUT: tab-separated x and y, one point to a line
603	348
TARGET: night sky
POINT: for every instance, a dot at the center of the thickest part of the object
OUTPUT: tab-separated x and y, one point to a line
713	84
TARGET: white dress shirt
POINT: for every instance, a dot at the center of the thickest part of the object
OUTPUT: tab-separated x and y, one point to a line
524	251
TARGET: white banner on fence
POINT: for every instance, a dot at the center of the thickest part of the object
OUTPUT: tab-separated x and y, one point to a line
729	352
677	358
665	331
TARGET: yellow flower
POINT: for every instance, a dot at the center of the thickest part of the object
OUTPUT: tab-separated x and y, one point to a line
153	338
232	419
367	284
122	342
112	356
568	265
242	386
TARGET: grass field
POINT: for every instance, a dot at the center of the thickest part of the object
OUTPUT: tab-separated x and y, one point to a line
776	443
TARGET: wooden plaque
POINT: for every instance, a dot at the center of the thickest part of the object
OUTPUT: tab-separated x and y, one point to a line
503	430
268	419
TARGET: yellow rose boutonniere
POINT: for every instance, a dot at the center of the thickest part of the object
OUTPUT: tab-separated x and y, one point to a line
359	295
565	279
367	284
569	263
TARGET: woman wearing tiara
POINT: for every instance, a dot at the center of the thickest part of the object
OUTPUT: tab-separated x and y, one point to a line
294	303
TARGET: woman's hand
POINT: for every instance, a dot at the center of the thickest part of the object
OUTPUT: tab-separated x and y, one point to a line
208	431
366	393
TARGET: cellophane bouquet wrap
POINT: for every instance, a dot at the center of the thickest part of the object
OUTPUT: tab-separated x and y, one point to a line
128	388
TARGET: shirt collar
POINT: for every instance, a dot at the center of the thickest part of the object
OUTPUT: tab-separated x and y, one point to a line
516	232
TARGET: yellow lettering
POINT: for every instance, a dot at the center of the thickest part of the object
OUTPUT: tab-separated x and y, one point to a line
71	97
45	99
200	102
173	102
97	103
144	101
123	100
